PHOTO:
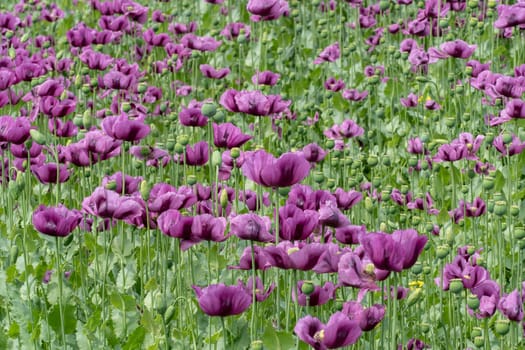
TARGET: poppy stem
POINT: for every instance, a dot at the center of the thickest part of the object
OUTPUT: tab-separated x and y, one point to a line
60	306
224	340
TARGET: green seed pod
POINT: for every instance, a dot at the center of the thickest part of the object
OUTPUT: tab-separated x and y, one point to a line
319	177
283	191
37	136
456	285
472	301
450	122
442	251
426	270
417	268
308	287
111	185
209	109
425	327
126	107
500	208
476	331
507	137
514	210
488	183
235	152
519	233
479	341
257	345
191	180
183	139
502	327
145	189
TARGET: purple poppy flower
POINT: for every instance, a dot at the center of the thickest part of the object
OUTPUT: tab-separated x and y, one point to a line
513	148
123	184
296	224
458	49
260	294
265	78
415	146
212	73
80	35
432	105
349	234
56	221
173	224
51	173
330	215
359	272
7	78
414	344
222	300
14	130
510	16
477	67
62	129
236	29
331	84
153	39
197	154
21	151
267	10
54	107
95	60
394	252
488	295
450	153
252	227
329	261
368	318
153	156
349	129
514	109
105	203
121	127
206	43
302	257
410	101
340	331
260	257
346	200
354	95
206	227
227	135
319	296
251	200
511	306
164	196
313	153
329	54
262	168
117	80
192	117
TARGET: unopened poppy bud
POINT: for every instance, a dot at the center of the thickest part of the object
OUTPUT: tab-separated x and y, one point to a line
519	233
9	34
145	189
179	149
308	287
257	345
329	144
488	183
500	208
425	327
417	268
126	107
13	254
492	4
319	177
209	109
223	198
216	159
368	204
507	138
183	139
502	327
235	152
472	301
168	315
383	227
37	136
111	185
414	296
456	285
442	251
479	341
191	180
142	88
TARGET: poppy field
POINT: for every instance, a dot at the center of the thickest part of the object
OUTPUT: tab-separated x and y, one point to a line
262	174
